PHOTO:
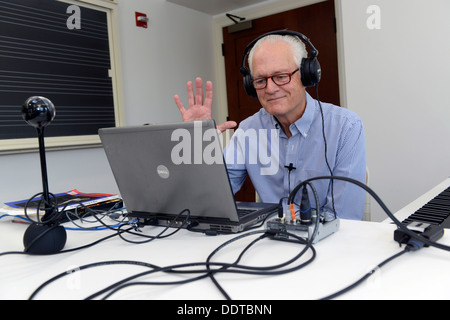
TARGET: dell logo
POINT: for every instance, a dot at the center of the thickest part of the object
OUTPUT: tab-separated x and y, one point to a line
162	171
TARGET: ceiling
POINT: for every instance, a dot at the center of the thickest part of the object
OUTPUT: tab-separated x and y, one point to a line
216	7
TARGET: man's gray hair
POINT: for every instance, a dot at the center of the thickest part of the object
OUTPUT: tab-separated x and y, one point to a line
297	45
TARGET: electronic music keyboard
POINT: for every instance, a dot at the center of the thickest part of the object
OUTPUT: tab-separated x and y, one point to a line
437	210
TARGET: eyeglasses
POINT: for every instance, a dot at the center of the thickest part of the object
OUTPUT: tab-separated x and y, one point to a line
279	79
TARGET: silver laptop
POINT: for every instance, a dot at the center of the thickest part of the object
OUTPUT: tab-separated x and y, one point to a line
163	169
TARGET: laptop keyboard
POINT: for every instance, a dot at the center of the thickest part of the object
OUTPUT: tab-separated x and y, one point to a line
243	212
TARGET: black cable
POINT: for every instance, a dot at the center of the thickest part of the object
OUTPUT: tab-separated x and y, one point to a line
55	214
211	274
160	235
326	150
120	231
64	251
366	276
89	212
67	250
85	267
137	283
224	267
316	198
410	233
269	270
55	217
169	269
93	213
90	244
11	253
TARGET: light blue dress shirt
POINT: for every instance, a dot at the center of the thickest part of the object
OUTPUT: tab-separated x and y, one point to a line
259	148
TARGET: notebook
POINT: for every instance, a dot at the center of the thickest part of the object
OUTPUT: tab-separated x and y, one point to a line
163	169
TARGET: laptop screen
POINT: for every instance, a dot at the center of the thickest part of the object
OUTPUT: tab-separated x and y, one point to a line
167	168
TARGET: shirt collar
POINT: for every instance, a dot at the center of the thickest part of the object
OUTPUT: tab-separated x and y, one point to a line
303	124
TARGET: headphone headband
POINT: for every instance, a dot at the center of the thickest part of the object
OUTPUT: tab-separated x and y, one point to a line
312	54
310	67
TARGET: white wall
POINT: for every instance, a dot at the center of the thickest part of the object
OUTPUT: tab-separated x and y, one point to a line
156	64
397	80
158	61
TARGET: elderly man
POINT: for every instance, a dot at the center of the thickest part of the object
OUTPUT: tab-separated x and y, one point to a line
302	137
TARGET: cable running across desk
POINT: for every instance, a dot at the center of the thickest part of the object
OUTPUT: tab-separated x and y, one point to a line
234	267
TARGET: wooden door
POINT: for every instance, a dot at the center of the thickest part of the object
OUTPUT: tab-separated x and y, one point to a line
317	22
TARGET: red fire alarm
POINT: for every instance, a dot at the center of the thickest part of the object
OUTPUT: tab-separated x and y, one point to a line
141	20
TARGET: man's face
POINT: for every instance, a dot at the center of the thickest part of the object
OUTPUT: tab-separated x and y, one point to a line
286	102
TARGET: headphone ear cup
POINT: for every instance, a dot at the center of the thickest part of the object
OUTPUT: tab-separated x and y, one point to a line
310	72
248	86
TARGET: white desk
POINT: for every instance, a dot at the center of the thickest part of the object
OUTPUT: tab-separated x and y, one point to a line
341	259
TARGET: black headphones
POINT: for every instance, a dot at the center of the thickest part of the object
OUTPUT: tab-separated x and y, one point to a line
310	71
